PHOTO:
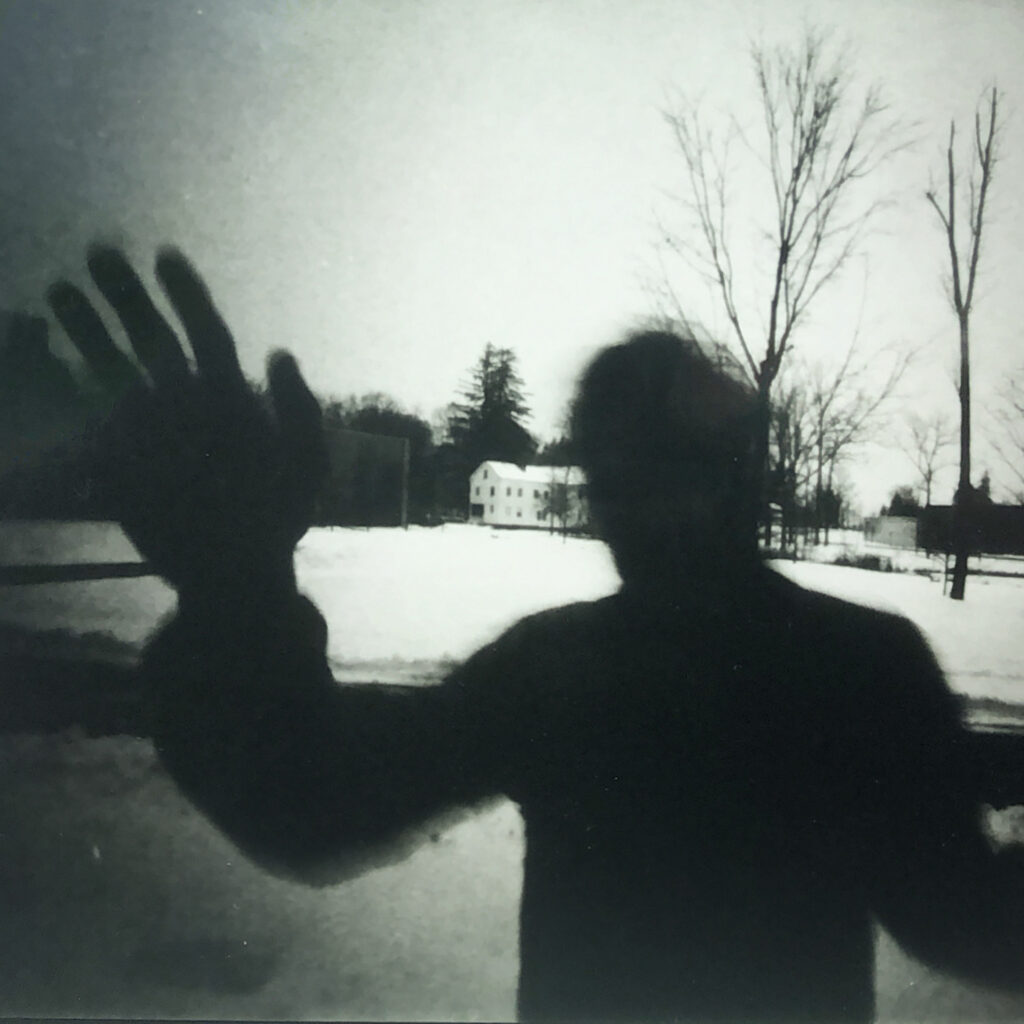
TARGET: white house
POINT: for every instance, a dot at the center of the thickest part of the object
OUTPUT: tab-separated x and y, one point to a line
503	494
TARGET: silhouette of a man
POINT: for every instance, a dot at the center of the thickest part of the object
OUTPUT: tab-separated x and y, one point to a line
724	777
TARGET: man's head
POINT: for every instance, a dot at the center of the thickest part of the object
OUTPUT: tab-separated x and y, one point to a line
667	439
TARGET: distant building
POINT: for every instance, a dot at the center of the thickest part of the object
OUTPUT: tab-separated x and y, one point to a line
367	481
503	494
992	529
892	531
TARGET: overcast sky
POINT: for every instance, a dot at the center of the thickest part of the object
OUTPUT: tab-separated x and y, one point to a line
385	187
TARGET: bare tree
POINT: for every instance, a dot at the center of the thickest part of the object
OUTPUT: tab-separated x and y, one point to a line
1008	441
926	440
789	457
847	405
819	417
840	408
819	141
963	276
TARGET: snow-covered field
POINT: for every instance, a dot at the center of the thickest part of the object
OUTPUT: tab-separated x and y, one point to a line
402	601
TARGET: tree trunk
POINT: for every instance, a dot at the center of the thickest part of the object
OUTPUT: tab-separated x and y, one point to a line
404	515
828	484
817	489
759	494
962	499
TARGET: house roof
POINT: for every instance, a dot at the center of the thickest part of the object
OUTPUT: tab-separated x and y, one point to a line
571	475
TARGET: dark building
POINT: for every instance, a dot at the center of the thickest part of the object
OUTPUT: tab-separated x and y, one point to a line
993	529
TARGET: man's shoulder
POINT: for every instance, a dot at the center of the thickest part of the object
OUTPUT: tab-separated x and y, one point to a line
870	665
814	609
557	643
562	623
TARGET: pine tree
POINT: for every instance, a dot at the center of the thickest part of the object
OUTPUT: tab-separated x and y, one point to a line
488	422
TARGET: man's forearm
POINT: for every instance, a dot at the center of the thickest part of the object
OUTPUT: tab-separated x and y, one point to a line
240	691
302	773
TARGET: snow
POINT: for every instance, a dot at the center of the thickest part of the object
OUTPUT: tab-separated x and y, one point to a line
437	594
398	602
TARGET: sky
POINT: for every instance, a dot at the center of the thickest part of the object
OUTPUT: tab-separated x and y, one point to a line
385	188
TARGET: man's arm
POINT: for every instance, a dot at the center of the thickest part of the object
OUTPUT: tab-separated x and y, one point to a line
215	486
312	778
939	885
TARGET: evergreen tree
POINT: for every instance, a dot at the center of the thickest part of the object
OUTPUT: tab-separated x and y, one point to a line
983	492
485	422
904	502
488	422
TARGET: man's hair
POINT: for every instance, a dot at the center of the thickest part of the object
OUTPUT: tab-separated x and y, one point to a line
657	403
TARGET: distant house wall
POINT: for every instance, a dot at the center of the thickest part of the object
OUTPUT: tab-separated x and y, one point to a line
501	494
499	499
893	531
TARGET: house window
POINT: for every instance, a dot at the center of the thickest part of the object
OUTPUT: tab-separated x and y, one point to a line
519	494
536	493
519	513
490	508
508	492
545	494
541	514
492	492
485	474
477	492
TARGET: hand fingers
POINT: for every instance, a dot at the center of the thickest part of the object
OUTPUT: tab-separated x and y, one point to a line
114	370
301	425
150	335
208	335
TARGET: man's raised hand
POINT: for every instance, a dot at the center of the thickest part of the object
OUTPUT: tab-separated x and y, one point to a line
212	486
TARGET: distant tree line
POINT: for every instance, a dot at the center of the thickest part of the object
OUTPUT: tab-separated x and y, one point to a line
486	420
818	419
